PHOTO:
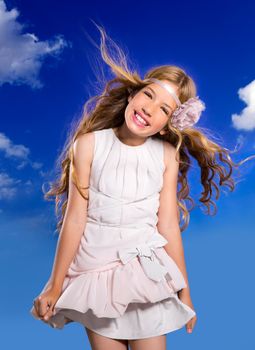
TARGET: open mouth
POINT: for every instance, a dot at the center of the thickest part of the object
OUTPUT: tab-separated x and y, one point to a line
139	120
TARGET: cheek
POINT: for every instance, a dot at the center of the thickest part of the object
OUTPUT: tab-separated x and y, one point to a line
138	100
162	118
129	111
129	108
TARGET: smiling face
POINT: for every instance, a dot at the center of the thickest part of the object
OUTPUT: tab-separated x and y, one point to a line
154	104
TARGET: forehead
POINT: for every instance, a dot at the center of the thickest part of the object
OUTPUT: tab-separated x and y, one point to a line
162	93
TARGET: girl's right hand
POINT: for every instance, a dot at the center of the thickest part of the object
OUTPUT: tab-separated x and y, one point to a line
44	304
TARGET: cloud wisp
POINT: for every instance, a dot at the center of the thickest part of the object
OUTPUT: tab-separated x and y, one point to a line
22	54
20	155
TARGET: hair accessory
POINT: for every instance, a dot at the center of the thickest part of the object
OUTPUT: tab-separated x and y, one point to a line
186	114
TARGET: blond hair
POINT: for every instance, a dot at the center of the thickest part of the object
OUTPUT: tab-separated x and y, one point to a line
108	112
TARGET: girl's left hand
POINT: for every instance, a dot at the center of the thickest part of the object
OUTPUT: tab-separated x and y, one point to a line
186	299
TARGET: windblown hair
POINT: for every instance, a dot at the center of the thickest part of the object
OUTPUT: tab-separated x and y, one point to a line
108	112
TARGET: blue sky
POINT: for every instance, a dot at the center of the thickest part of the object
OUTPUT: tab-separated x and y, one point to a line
45	78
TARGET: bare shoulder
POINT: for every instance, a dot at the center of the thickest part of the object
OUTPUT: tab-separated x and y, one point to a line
168	208
171	158
84	142
83	148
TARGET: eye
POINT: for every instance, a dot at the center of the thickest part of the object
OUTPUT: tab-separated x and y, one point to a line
166	112
147	93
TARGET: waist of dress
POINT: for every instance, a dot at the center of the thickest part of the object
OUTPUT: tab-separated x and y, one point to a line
145	252
111	201
132	226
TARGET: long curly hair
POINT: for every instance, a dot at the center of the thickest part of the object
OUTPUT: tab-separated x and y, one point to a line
106	110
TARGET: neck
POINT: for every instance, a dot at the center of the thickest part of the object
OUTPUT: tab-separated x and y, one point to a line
125	136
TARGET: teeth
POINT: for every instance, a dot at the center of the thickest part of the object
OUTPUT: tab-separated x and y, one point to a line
140	119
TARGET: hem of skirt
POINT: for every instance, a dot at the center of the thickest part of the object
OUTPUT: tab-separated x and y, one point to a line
107	334
165	331
64	319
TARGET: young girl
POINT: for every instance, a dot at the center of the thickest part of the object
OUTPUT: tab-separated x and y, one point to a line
119	267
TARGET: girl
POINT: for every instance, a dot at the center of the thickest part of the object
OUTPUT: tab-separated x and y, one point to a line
119	268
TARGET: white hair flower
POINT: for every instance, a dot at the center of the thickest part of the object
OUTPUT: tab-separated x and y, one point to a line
188	113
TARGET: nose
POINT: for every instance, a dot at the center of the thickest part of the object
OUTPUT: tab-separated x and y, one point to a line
147	111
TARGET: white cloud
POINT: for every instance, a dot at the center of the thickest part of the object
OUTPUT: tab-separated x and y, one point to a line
7	186
240	139
240	142
10	186
17	152
11	150
246	119
22	54
36	165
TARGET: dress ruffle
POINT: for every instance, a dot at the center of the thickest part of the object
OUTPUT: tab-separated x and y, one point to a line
108	290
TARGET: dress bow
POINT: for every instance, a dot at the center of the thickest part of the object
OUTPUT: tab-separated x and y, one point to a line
147	257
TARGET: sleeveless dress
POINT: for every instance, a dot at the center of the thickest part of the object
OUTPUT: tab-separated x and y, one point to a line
122	283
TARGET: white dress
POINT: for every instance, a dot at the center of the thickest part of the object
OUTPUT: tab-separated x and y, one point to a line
121	283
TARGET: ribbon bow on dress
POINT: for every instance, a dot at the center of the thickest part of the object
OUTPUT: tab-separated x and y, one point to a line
147	257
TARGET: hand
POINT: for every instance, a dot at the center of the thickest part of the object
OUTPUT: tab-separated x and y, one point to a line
44	304
184	296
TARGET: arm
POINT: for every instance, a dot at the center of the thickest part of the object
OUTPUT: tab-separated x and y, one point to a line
76	211
168	219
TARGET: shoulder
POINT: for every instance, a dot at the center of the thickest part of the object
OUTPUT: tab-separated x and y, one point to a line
79	178
171	156
168	208
83	148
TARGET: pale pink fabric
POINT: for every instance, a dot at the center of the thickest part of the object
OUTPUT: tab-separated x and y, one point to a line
122	283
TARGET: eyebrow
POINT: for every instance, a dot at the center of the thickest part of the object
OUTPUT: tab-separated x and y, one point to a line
155	94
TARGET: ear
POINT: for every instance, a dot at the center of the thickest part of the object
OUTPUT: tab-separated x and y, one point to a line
162	132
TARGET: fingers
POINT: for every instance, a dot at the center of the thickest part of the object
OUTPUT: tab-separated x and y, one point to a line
35	309
41	306
190	325
34	313
49	313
